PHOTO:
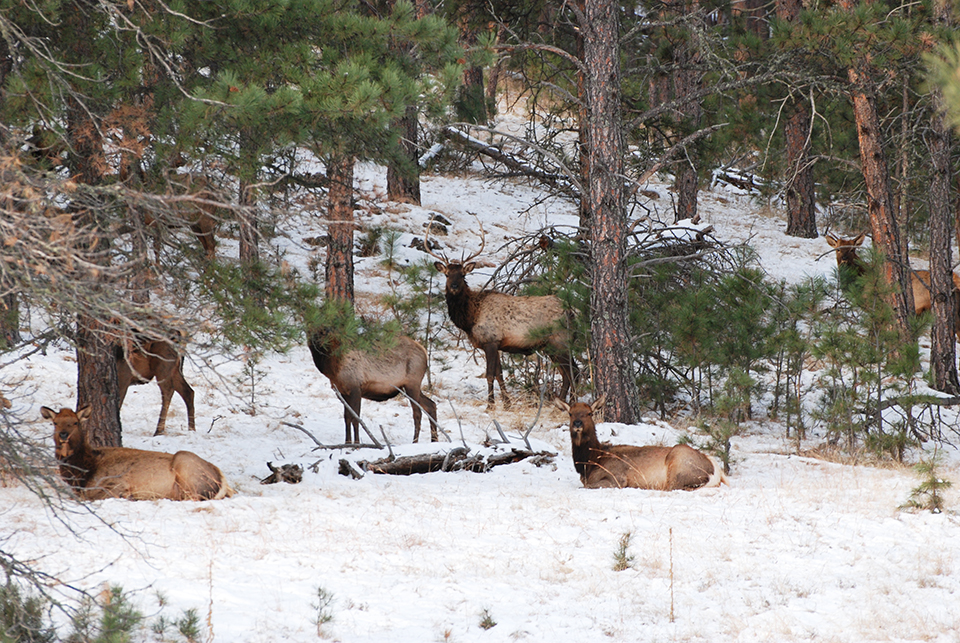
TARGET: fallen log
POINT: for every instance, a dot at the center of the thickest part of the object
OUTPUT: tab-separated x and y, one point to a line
458	459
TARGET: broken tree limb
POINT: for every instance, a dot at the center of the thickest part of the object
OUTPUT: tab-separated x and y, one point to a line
454	460
563	181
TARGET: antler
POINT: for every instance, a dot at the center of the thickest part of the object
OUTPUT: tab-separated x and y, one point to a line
483	242
426	245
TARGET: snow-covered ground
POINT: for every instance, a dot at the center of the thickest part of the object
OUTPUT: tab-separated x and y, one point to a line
796	549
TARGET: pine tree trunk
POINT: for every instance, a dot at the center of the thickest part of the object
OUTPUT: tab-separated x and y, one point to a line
403	184
687	82
883	220
9	300
943	295
801	208
97	383
9	318
609	324
96	361
801	204
339	270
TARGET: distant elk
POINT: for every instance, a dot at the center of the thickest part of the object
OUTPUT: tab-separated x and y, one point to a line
140	360
374	375
495	321
846	253
95	473
196	211
661	468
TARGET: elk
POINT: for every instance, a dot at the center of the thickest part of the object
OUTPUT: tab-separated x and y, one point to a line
661	468
846	253
140	360
95	473
495	321
374	375
196	212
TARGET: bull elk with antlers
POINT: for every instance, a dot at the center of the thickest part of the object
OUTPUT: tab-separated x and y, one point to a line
140	360
495	321
118	472
377	376
847	257
662	468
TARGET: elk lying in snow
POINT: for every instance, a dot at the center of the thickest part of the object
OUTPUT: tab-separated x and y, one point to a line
846	253
605	465
117	472
140	360
495	321
358	374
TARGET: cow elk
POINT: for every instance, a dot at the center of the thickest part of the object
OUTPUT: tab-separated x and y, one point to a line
140	360
95	473
495	322
661	468
374	375
847	257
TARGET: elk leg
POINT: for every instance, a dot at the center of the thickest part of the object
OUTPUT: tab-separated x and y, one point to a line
431	408
494	372
166	395
186	394
569	373
414	397
353	400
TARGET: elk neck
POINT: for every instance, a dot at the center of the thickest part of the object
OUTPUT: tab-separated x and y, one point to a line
585	447
462	307
78	467
324	349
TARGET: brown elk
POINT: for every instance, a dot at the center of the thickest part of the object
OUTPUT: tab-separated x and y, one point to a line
196	211
118	472
377	376
495	321
662	468
846	253
140	360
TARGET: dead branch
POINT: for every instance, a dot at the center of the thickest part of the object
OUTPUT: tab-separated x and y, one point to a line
454	460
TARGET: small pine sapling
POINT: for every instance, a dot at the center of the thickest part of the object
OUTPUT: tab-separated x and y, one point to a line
928	496
621	559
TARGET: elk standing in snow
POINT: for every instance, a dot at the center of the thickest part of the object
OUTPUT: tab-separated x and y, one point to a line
118	472
376	376
140	360
495	321
662	468
846	253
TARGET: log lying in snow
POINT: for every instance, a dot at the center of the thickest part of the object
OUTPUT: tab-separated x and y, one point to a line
453	460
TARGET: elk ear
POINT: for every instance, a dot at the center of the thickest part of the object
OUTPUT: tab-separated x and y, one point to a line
440	266
47	413
598	403
859	239
831	240
84	414
468	267
560	404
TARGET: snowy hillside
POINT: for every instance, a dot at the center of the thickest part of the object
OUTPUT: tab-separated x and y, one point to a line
795	549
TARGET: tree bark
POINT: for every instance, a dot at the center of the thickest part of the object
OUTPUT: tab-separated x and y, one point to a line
687	83
339	269
801	206
609	324
96	361
403	182
943	294
876	175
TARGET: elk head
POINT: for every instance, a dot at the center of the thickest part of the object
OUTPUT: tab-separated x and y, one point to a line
68	429
582	425
846	249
